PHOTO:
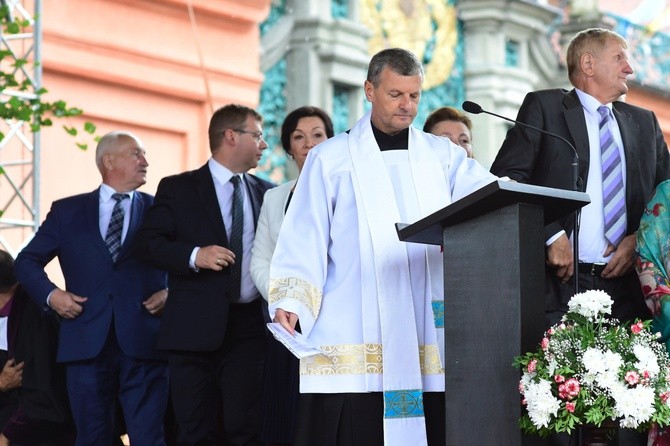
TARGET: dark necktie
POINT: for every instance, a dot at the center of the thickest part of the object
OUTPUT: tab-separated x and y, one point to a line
236	233
614	200
115	228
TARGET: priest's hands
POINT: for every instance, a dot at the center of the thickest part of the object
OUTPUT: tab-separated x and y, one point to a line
286	319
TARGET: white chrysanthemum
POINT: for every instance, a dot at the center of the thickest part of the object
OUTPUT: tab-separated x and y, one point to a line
634	406
603	366
540	403
590	304
646	360
526	379
593	360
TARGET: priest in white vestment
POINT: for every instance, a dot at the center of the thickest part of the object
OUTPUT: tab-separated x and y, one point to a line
371	303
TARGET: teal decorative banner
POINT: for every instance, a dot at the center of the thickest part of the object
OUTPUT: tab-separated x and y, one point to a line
403	403
438	313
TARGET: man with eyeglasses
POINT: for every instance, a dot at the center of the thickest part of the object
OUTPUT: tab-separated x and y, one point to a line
201	231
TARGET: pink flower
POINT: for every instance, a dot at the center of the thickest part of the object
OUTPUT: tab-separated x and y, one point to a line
570	407
562	392
545	343
521	388
646	374
524	402
632	377
637	328
572	387
550	331
559	379
532	365
665	396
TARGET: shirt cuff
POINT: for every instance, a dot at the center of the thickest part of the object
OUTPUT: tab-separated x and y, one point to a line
554	237
191	260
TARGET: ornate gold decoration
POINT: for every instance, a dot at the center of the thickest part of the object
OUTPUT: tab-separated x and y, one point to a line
358	359
412	24
298	289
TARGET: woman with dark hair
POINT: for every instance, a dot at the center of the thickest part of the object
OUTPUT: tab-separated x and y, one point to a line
302	129
452	124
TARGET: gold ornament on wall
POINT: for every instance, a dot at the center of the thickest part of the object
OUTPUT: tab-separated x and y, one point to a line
413	24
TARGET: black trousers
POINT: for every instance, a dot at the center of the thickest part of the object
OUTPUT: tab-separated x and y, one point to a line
356	419
216	395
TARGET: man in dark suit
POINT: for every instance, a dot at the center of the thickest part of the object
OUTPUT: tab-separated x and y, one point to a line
110	305
597	67
213	326
600	127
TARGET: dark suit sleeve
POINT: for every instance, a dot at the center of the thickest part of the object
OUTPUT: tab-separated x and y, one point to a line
30	263
662	155
517	157
156	243
519	151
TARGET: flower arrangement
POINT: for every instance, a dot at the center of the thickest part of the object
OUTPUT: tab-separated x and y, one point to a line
589	369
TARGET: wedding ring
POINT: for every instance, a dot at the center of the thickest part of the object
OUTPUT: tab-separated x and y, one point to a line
218	261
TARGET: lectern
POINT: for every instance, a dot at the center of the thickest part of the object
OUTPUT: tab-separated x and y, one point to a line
493	243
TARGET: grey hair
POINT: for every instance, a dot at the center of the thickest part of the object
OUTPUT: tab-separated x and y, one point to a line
399	60
108	142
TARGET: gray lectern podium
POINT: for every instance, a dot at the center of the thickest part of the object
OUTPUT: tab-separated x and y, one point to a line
494	300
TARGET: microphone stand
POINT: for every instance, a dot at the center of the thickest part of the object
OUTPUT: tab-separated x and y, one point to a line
476	109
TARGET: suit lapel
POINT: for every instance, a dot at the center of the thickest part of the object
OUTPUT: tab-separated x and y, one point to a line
136	214
630	135
92	215
210	203
574	118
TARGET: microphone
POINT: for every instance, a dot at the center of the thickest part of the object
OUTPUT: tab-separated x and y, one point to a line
474	108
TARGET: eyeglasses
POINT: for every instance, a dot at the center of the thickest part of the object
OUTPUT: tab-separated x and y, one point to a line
258	136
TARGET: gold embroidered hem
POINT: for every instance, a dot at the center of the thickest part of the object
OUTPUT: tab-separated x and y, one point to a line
298	289
358	359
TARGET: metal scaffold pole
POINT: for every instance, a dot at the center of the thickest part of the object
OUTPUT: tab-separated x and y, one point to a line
20	146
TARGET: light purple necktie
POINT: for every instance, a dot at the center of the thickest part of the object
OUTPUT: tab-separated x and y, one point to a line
614	199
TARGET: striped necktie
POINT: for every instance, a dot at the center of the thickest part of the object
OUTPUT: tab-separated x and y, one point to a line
115	228
236	234
614	199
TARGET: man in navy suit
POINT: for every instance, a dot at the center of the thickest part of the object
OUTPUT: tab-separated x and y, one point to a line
213	325
111	301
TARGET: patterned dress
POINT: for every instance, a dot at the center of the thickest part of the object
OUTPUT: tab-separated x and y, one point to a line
652	265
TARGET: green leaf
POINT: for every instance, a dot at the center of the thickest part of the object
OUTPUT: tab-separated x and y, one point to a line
2	170
13	28
89	127
82	146
70	130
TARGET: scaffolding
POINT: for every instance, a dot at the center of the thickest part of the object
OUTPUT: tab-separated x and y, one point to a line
20	146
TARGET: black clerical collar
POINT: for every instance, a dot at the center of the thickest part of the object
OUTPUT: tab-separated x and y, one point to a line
399	141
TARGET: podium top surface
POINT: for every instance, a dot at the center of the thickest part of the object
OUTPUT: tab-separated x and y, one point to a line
496	195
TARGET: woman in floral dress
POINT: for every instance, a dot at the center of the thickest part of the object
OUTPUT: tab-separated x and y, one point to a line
652	265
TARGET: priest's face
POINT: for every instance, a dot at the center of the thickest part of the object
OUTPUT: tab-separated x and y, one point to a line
394	100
